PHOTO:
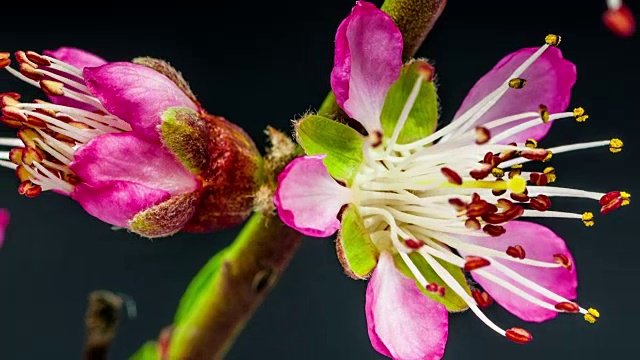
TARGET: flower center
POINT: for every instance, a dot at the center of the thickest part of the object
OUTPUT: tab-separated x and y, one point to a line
49	133
460	182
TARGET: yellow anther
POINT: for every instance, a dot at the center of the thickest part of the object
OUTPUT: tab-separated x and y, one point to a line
548	157
517	83
498	173
626	198
592	315
587	219
580	115
552	40
531	143
543	110
551	174
615	145
516	166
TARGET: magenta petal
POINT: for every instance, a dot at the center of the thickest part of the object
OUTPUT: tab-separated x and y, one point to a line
403	323
549	82
367	60
308	199
125	157
80	59
4	222
136	94
76	57
117	202
539	243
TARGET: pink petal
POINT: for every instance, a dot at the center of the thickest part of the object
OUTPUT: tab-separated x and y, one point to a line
549	82
367	61
117	202
541	244
76	57
125	157
4	222
80	59
403	323
136	94
308	199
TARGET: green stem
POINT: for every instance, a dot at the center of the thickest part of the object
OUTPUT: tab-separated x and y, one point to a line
248	269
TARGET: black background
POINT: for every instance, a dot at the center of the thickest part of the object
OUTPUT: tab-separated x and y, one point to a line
260	64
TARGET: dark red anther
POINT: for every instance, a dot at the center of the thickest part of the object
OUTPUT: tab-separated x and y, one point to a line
521	197
458	204
483	135
564	261
514	213
475	262
494	230
11	94
37	58
612	205
475	197
482	298
498	192
31	72
483	172
434	288
516	252
535	154
488	157
608	197
504	204
494	218
569	307
29	189
22	58
540	203
451	175
472	224
4	60
539	179
620	21
479	208
518	335
414	244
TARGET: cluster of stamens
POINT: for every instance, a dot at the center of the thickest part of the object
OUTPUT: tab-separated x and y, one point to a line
49	134
461	181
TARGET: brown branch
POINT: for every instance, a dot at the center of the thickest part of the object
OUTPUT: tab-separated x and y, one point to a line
101	322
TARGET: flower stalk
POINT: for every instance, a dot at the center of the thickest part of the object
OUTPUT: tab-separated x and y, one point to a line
223	296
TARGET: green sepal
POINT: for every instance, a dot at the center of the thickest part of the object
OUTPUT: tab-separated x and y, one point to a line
423	117
148	351
450	300
357	254
342	145
198	286
185	134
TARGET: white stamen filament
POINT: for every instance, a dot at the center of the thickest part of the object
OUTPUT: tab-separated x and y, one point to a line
559	150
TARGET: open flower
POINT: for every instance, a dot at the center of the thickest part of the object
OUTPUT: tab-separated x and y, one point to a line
416	209
129	142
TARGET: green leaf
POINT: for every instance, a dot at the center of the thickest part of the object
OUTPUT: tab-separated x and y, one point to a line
198	285
357	254
451	300
423	117
148	351
342	144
